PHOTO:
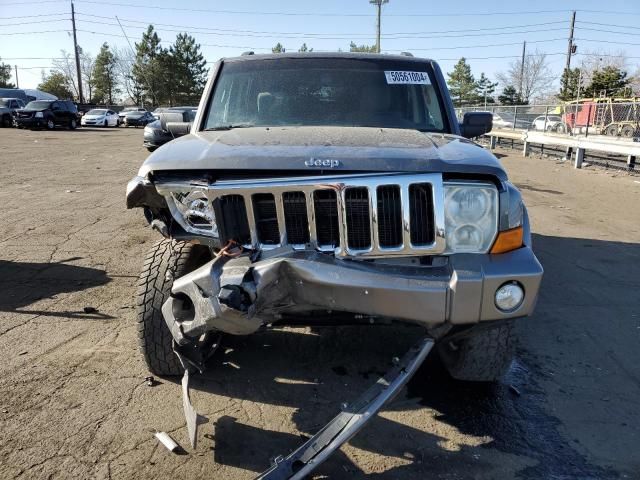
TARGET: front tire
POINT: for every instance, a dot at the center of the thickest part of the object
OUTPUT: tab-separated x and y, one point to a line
72	124
50	124
165	261
483	356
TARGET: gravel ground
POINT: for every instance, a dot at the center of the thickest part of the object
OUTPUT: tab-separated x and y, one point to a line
74	404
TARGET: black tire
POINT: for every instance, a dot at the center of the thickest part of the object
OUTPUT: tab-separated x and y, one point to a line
611	130
73	124
628	131
166	260
106	124
50	124
7	121
483	356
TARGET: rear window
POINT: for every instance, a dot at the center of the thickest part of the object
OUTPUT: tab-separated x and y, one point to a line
326	92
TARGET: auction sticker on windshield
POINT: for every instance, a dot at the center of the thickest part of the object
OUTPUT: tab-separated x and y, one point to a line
410	78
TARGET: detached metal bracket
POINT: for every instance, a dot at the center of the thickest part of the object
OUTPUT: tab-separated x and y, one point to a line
350	420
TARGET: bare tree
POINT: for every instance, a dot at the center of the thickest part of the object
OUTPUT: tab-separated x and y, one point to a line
87	62
536	78
595	60
67	66
125	59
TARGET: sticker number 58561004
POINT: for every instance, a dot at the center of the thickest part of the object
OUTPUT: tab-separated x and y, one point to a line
411	78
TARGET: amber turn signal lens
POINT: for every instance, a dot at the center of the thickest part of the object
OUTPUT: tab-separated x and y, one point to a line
508	240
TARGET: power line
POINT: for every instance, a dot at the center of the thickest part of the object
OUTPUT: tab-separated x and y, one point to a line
609	25
32	32
32	16
348	37
37	21
386	35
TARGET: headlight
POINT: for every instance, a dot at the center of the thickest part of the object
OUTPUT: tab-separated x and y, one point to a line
38	115
471	217
193	211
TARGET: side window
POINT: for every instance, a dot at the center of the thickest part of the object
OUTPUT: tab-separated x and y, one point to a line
56	106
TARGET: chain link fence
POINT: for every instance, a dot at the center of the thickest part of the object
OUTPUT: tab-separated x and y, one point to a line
590	117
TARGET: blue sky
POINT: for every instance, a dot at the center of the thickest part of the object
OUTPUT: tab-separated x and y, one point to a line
444	31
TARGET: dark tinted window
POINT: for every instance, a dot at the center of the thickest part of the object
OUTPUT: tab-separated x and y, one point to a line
358	92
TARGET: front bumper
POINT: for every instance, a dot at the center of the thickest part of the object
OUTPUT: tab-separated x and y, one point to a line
31	122
238	296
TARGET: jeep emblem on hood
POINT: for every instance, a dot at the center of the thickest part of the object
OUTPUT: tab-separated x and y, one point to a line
322	162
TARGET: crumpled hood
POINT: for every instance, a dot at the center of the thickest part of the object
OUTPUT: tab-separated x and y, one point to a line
355	149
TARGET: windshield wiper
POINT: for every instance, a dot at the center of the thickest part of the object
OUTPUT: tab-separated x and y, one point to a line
229	127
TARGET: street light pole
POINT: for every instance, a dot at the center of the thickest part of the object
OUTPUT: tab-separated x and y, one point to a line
378	3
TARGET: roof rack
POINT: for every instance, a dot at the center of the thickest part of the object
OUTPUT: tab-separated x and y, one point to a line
250	52
406	54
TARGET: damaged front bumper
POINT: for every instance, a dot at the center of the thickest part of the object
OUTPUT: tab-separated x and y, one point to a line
238	296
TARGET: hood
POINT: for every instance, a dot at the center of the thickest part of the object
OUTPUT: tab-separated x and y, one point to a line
93	116
354	148
134	114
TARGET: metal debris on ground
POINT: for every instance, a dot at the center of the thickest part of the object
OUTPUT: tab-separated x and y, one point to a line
150	381
349	421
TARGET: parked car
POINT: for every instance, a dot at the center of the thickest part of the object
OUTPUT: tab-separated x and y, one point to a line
8	107
48	114
156	133
507	119
125	111
100	117
137	119
549	123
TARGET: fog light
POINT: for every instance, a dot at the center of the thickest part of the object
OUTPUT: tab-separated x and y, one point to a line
509	297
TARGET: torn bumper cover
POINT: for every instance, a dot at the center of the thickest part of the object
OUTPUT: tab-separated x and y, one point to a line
238	296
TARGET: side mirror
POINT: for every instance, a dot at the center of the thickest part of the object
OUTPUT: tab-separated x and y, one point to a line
475	124
178	129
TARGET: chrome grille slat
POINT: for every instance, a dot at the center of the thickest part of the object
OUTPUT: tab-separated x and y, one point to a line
318	232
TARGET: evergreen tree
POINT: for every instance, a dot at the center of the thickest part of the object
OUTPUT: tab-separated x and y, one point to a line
610	81
150	66
485	88
569	84
5	75
279	48
187	67
462	84
362	48
304	48
104	76
56	84
510	96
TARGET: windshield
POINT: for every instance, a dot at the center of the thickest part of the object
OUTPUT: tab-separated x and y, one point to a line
96	111
326	91
38	105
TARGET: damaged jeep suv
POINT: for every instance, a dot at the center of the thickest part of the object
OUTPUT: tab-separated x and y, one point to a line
332	188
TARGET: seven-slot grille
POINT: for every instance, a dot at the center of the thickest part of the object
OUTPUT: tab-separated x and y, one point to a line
359	215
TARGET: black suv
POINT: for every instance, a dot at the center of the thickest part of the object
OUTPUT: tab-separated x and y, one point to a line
49	114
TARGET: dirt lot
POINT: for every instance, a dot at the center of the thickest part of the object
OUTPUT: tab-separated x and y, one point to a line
73	402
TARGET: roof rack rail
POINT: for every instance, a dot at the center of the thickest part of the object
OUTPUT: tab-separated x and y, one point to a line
249	52
406	54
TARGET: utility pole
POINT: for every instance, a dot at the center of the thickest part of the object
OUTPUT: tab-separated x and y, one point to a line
378	3
17	83
570	48
75	47
524	50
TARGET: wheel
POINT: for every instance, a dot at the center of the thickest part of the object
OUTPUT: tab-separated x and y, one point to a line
482	356
628	131
611	130
561	128
549	128
50	124
7	121
73	124
166	260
